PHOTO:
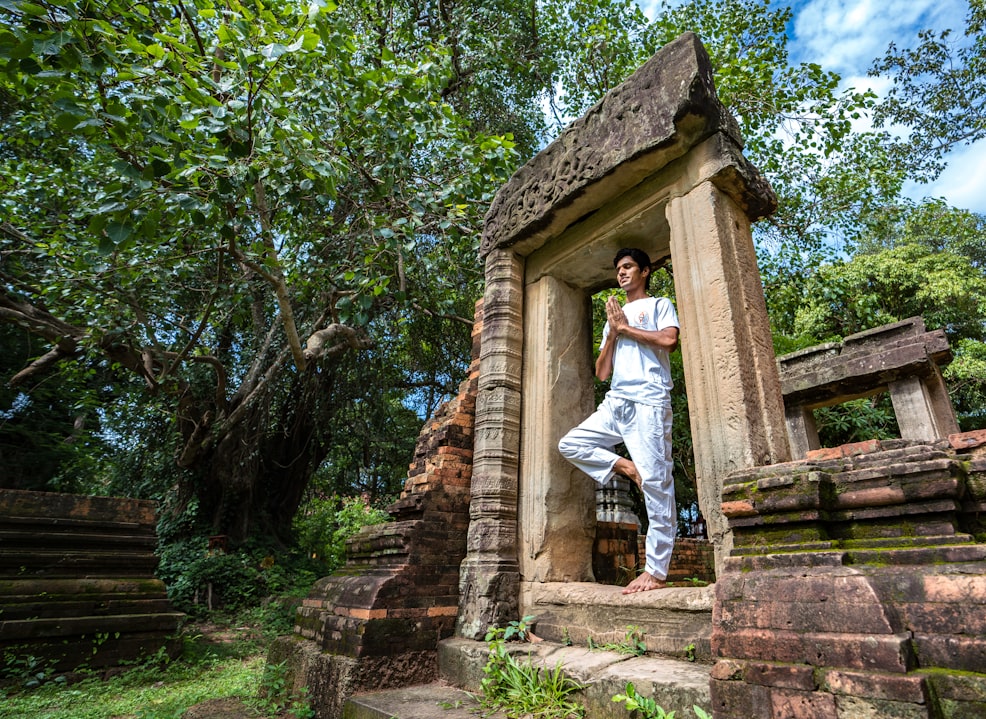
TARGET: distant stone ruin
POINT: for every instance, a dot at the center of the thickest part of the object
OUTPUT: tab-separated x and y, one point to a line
77	585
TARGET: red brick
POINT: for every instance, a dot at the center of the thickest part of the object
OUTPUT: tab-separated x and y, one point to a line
736	700
845	450
790	704
909	688
853	651
739	509
962	588
783	676
952	652
967	440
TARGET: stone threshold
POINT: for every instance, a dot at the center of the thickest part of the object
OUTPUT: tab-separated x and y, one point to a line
673	622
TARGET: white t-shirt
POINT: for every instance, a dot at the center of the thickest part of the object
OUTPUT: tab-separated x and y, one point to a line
642	373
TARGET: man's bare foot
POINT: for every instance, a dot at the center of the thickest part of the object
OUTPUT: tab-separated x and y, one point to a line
644	583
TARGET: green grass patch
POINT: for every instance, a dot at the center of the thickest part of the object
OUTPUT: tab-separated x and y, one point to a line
224	660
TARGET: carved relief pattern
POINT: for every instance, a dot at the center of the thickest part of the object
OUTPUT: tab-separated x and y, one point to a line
489	575
638	117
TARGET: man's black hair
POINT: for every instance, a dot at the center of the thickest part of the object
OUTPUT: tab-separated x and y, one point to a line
638	256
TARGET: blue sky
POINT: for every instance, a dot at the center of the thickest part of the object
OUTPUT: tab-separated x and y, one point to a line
846	36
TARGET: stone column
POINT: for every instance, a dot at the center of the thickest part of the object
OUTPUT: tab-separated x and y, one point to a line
801	431
557	502
923	408
489	576
734	394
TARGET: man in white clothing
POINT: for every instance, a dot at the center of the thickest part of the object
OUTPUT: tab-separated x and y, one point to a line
637	340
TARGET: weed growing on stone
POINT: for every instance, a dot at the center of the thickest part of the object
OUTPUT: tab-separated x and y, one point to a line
518	688
647	708
632	644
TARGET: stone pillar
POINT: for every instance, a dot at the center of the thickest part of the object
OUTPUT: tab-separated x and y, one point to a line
489	576
557	502
921	413
734	395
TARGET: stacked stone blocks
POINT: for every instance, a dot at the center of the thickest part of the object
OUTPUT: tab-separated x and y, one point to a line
854	588
77	583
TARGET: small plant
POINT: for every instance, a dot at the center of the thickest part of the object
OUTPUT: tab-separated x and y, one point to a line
28	670
521	689
647	708
690	652
277	697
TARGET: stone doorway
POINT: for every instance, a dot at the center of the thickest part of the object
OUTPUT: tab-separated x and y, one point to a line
658	164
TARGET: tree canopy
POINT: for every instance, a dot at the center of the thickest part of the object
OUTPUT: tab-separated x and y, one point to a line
222	200
243	236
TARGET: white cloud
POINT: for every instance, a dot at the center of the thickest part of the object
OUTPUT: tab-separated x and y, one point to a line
962	184
846	36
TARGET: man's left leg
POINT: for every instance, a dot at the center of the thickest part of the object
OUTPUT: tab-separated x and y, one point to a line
649	444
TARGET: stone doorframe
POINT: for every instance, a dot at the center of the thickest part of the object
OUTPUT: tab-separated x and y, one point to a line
657	164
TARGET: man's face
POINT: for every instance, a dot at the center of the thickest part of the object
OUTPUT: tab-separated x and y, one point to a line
628	274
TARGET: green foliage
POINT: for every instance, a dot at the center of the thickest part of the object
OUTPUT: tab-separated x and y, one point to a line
324	525
200	580
26	670
910	279
647	708
938	92
856	420
518	688
966	378
50	434
155	689
276	696
221	202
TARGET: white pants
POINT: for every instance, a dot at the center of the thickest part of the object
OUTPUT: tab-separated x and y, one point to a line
646	432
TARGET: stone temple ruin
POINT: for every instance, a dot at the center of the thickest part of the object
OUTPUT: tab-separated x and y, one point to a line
850	581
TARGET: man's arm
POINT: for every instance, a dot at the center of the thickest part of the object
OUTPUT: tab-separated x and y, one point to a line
666	339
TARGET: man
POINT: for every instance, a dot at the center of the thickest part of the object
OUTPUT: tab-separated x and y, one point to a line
636	342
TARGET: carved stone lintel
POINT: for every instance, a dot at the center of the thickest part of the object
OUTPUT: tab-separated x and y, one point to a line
658	114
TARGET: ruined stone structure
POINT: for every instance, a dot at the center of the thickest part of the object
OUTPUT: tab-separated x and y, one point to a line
850	582
657	164
77	582
901	358
855	588
377	622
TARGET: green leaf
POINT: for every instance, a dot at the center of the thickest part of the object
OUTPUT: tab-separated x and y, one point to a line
118	232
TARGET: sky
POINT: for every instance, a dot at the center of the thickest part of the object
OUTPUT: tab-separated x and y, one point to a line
846	36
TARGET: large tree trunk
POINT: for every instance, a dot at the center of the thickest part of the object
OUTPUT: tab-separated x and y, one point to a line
253	480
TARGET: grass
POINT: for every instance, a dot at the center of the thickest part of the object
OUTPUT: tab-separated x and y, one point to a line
220	660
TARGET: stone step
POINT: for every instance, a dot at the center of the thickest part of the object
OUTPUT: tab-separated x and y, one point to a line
672	622
425	701
674	684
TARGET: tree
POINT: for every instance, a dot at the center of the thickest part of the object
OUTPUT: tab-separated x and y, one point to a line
223	201
939	92
50	435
